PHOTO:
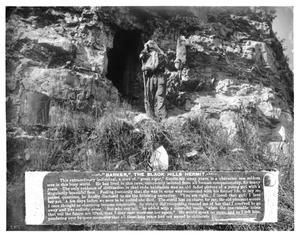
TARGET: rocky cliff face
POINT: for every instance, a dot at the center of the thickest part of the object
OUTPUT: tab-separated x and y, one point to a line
235	74
67	66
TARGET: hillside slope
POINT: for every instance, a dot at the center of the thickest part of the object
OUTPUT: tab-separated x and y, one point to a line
75	94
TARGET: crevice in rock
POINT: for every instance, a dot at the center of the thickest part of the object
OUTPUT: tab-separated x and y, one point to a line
123	61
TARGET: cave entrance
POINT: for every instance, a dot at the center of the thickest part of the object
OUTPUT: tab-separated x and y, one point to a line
124	63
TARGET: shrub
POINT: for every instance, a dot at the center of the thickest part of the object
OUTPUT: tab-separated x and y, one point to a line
79	141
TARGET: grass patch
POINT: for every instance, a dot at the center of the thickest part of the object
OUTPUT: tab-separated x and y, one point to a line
112	141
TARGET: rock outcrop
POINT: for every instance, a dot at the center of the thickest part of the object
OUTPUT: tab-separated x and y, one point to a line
235	69
67	68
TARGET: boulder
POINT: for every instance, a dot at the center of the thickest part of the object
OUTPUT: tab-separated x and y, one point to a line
34	108
159	159
67	84
142	119
89	58
277	150
260	54
47	37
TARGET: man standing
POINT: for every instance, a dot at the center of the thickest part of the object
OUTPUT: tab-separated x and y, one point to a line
153	67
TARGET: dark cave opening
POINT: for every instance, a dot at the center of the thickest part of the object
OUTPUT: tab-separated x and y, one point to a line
123	61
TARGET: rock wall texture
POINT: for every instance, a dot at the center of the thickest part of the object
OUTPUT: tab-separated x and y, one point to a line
235	74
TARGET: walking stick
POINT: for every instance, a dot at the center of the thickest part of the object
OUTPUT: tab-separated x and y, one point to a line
146	102
180	74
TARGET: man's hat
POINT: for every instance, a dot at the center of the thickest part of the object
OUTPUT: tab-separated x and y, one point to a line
152	45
